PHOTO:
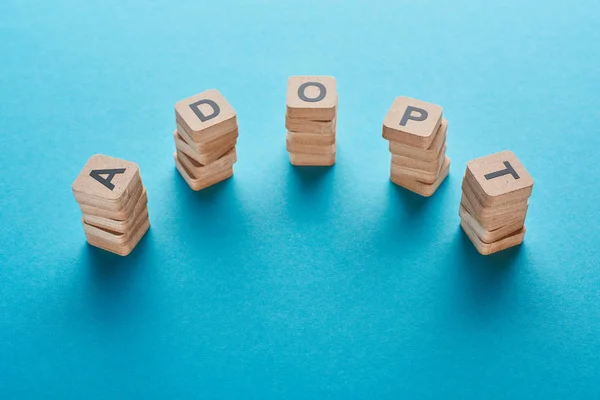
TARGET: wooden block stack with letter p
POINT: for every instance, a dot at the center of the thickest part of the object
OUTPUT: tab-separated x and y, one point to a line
417	133
494	203
205	139
113	202
310	120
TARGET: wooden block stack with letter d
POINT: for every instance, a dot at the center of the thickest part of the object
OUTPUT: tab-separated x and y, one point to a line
417	140
205	139
494	203
113	202
310	120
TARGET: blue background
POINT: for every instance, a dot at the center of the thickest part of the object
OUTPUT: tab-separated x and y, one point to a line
294	283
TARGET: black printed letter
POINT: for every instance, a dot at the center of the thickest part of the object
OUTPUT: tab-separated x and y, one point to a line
196	109
407	115
110	174
509	170
302	89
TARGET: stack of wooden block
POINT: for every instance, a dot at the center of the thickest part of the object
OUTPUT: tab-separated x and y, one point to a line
205	139
114	204
310	120
495	197
417	140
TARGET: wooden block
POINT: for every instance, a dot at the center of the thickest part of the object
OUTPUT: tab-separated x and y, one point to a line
484	212
426	166
312	160
203	158
312	97
429	154
490	248
209	145
121	215
412	122
102	204
106	182
120	249
499	178
310	126
495	222
119	226
421	188
206	115
199	184
489	236
416	174
116	238
316	149
204	171
311	138
492	221
120	232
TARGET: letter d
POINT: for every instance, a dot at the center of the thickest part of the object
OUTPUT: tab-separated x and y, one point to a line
196	109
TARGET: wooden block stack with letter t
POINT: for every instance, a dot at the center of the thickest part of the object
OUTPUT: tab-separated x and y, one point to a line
417	140
310	120
113	202
205	139
494	203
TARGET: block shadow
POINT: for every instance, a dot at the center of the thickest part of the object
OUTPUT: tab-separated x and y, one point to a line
212	215
414	202
483	283
115	284
213	222
310	179
309	192
408	212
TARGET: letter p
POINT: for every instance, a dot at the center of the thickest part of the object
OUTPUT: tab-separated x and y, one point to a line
408	115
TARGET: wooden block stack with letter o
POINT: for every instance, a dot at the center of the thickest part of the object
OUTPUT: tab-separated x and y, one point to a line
310	120
417	132
113	202
494	203
205	139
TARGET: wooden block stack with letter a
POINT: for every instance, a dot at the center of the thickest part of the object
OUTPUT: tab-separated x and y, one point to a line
205	139
417	135
113	202
494	203
310	120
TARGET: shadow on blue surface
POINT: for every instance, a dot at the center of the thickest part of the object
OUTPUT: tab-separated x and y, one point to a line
411	215
209	211
309	195
485	284
115	284
413	201
311	178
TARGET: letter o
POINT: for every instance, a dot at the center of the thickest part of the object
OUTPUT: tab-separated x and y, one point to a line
302	89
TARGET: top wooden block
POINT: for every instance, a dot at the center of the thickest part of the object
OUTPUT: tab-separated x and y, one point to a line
312	97
499	178
413	122
106	181
206	116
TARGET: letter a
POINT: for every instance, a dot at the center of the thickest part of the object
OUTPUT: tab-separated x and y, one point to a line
110	174
408	115
196	109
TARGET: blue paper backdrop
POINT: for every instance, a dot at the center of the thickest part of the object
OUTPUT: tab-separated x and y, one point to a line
289	283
